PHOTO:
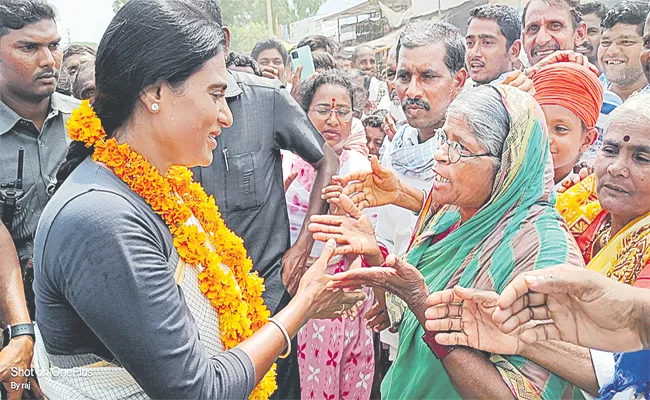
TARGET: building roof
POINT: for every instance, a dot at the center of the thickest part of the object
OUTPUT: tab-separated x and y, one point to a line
367	7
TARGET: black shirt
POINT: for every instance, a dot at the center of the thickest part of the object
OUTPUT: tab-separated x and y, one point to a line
246	175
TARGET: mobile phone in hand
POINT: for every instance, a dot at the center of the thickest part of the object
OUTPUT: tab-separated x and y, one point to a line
302	57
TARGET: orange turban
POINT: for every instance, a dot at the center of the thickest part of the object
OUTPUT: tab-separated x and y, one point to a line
572	86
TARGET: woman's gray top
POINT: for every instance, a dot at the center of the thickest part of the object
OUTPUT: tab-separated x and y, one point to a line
104	284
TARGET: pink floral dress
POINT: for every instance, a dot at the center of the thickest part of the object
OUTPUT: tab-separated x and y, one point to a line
336	357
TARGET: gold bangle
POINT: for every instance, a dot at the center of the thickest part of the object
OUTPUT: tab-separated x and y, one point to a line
287	338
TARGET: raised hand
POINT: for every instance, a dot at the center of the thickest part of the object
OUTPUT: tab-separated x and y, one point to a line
327	302
519	80
353	233
295	82
562	56
585	308
370	188
389	127
464	317
397	276
269	72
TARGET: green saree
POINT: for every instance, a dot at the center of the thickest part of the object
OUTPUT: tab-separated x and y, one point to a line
517	230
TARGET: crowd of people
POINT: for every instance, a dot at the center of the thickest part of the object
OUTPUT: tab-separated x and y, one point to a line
466	218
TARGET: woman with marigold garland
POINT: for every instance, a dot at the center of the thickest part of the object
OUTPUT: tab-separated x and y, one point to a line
142	290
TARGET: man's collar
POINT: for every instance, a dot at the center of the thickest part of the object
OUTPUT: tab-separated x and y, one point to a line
58	104
233	89
8	118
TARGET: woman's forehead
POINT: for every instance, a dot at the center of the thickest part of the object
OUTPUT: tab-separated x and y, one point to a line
456	127
631	124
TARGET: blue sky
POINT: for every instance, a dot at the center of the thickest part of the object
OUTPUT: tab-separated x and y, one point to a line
86	21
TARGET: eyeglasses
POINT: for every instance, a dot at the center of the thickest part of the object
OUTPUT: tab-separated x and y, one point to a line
344	114
454	149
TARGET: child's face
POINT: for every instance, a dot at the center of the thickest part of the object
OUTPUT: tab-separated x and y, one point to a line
568	138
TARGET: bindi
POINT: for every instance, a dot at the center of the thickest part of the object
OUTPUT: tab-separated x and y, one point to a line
626	138
333	102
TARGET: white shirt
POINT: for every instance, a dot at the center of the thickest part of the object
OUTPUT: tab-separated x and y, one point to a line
394	228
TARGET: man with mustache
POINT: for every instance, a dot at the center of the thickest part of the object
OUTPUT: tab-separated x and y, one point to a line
32	115
430	58
32	123
592	14
549	26
493	42
620	49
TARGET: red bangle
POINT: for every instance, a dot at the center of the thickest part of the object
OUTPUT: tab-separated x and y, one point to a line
438	350
384	253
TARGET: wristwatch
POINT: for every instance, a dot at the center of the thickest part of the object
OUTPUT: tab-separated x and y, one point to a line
11	332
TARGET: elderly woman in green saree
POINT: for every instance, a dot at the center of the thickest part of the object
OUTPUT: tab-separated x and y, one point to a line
489	217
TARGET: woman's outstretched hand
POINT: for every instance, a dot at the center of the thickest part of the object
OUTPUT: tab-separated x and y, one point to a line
583	306
326	302
397	276
369	188
351	229
463	317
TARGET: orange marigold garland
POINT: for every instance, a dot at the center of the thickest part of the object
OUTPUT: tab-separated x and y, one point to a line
236	293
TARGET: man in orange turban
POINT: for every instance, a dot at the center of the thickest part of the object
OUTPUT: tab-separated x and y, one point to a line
571	97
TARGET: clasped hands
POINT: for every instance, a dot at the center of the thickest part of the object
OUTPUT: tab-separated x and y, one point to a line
354	234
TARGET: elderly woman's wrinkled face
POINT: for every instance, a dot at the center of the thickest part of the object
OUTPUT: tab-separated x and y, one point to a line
467	183
623	167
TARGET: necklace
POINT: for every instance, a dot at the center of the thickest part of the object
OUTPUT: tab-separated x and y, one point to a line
235	292
601	238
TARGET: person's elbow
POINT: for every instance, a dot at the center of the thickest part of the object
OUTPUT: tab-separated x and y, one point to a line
329	163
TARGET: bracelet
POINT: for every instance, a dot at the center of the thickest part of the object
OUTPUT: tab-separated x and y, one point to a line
287	338
438	350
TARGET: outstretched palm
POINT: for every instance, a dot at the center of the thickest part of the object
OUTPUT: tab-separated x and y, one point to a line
464	317
586	308
397	277
371	189
352	230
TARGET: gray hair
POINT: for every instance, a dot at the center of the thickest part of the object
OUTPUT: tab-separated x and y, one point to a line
483	110
636	103
423	33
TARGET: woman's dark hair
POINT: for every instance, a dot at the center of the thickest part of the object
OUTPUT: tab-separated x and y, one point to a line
147	42
331	77
373	121
323	61
242	60
319	42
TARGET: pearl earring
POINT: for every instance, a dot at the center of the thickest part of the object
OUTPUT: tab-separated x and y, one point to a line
155	107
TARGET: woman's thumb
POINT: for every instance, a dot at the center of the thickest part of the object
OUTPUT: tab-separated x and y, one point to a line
327	253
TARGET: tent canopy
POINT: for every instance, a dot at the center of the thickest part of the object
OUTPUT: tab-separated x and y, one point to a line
367	7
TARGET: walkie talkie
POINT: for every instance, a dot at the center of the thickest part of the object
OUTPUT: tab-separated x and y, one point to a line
12	192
